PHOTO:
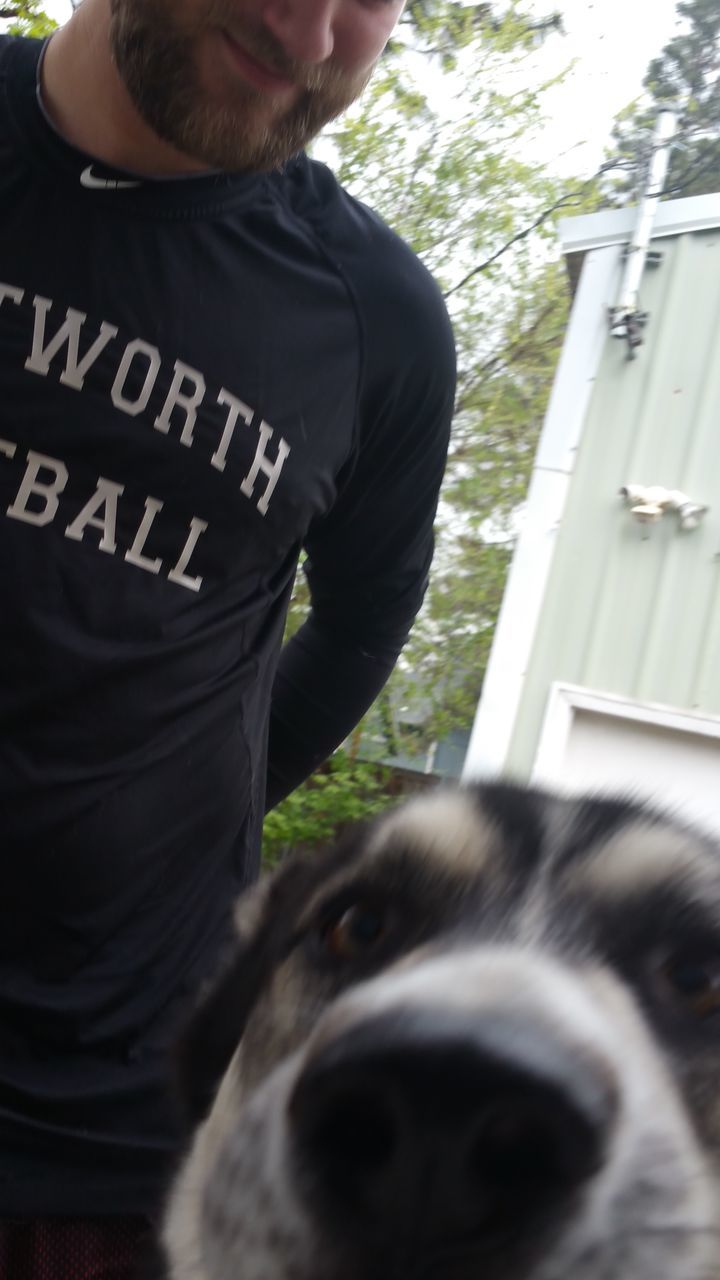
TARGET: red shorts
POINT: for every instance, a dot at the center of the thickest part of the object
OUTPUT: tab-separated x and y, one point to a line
72	1248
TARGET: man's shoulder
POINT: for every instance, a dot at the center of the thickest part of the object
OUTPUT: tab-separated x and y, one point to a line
392	287
7	45
19	46
18	54
316	192
353	234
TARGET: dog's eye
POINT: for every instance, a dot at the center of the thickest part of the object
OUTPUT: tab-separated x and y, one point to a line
359	928
695	982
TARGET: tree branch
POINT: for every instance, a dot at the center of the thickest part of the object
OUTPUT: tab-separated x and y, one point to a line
517	347
572	197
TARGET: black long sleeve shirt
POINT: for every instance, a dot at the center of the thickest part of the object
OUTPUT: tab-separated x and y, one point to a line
198	378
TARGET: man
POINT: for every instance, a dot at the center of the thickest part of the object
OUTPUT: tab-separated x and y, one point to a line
210	358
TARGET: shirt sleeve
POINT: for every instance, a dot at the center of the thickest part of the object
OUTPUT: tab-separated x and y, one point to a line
368	560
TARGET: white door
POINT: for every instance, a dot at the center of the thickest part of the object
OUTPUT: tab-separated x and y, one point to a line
598	742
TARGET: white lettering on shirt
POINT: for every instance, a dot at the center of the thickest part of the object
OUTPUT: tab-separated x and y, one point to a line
177	398
177	574
238	409
12	292
152	355
270	469
134	555
106	496
33	487
75	371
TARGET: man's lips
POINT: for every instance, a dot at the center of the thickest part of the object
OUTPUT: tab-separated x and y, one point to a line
257	73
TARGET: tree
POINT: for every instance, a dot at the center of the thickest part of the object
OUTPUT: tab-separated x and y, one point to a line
343	791
26	18
441	147
685	75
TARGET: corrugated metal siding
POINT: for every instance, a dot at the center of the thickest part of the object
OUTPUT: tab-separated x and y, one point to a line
630	609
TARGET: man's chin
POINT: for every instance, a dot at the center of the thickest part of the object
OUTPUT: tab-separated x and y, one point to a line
200	99
232	148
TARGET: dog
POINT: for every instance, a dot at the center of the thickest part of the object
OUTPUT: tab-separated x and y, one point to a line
477	1040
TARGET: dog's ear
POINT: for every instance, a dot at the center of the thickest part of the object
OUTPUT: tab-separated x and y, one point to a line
265	923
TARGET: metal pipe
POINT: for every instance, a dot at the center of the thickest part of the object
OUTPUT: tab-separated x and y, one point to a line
625	315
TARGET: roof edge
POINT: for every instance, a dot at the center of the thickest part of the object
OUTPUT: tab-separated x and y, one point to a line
615	226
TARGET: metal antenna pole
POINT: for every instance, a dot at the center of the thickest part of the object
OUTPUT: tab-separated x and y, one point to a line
626	318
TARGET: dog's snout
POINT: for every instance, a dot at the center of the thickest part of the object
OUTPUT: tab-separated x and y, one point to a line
424	1124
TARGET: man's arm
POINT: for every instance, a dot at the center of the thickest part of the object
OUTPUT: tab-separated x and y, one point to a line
369	558
322	689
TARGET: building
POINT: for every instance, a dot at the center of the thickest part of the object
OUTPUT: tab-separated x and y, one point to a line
605	668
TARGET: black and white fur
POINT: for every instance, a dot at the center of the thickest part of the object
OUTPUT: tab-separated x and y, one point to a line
478	1041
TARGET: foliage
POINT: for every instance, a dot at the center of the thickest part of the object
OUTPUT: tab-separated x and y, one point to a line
685	75
27	18
440	30
442	148
343	791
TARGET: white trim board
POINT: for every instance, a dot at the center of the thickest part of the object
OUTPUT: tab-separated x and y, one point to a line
554	464
565	700
616	226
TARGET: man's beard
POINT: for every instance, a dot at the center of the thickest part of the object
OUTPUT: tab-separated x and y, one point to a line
156	56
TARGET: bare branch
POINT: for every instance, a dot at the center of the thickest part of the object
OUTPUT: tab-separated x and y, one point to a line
571	198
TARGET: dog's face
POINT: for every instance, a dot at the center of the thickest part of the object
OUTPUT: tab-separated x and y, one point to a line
481	1041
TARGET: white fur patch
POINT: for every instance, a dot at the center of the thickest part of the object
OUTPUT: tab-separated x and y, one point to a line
446	827
484	980
641	858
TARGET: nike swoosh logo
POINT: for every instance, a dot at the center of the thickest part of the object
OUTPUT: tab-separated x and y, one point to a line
88	179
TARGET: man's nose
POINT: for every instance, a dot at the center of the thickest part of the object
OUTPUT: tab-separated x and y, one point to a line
304	28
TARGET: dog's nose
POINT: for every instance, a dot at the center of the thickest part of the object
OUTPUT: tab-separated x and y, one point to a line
421	1125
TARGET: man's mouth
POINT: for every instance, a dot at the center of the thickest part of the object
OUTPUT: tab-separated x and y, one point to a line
260	76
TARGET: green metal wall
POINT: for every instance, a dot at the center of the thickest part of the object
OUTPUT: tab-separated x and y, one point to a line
629	609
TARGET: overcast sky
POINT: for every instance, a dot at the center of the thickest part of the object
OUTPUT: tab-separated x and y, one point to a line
612	42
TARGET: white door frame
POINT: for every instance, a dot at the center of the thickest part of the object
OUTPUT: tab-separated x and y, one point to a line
566	700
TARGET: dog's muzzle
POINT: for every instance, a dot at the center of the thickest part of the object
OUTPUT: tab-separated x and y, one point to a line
423	1126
